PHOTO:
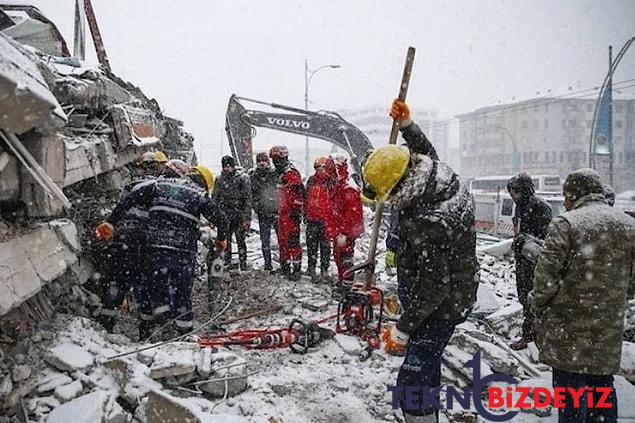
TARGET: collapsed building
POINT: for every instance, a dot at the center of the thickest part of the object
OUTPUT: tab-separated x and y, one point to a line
69	135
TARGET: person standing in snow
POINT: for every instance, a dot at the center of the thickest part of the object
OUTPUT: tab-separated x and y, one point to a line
128	253
348	218
291	198
531	219
265	203
174	206
319	219
437	256
232	193
584	277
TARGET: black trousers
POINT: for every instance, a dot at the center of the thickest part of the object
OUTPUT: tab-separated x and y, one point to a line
316	240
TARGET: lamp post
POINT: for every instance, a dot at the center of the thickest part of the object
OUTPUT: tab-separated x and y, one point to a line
308	75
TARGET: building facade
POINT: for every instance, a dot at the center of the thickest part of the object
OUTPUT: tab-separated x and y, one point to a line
376	124
544	136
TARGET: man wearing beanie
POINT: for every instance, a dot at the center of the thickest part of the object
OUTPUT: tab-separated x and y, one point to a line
583	280
232	192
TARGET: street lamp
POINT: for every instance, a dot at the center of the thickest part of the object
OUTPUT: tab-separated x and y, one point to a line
308	75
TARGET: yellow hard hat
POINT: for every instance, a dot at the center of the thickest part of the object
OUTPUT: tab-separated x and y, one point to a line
207	175
385	167
160	157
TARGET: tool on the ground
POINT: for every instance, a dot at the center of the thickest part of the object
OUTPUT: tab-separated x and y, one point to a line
356	316
299	336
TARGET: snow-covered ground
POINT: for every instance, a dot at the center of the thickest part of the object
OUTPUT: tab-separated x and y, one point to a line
77	382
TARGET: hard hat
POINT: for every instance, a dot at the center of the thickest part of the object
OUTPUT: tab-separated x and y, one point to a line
319	162
160	157
279	151
207	175
178	166
384	168
148	157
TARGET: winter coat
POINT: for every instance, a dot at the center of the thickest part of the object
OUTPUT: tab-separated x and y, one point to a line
291	198
132	227
581	286
437	257
232	192
348	212
532	217
174	206
392	237
318	201
263	191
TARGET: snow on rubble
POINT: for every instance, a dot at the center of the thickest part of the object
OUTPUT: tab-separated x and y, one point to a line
75	380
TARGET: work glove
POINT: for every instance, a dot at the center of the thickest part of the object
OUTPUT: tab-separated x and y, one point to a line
220	244
390	259
104	231
395	341
401	113
245	224
340	240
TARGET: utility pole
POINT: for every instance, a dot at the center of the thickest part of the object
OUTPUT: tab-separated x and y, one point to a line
610	129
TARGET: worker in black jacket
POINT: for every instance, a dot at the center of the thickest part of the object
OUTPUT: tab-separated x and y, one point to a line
232	193
264	198
531	219
174	206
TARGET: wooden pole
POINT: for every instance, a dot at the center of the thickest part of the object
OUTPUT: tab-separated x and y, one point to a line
369	271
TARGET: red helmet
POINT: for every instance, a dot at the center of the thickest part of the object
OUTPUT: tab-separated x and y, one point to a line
279	152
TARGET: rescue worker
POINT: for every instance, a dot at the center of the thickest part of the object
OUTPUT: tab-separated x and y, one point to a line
127	265
232	193
437	256
531	219
291	197
175	206
392	238
348	216
152	163
319	219
265	203
583	280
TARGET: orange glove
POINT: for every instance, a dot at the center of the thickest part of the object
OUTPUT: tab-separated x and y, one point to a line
220	244
245	224
395	341
400	112
104	231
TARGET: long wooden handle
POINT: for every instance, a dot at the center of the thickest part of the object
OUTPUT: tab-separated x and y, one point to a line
379	207
403	91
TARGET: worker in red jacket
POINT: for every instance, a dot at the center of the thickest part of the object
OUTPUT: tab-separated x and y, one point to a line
319	219
291	197
348	217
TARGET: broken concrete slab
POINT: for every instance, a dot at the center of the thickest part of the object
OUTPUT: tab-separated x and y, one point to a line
20	372
51	381
67	392
69	357
29	262
229	374
162	408
350	344
486	302
628	361
174	359
92	407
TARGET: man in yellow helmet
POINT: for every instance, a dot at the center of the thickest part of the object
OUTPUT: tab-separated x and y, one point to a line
152	163
437	255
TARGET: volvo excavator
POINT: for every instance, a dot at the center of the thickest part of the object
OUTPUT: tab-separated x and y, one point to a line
240	124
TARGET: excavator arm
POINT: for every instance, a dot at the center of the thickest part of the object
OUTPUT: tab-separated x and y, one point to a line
328	126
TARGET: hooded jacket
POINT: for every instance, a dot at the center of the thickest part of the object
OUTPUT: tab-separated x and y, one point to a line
437	256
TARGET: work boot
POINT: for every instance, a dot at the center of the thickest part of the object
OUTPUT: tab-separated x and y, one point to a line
268	267
285	270
520	344
296	274
243	266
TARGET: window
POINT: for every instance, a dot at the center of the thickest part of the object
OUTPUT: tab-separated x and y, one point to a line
618	124
507	207
573	123
546	107
620	158
535	108
535	124
618	108
629	123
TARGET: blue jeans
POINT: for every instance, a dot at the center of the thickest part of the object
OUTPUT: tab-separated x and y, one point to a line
267	224
422	365
582	414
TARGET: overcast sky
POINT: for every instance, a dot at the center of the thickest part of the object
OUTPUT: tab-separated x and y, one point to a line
192	55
